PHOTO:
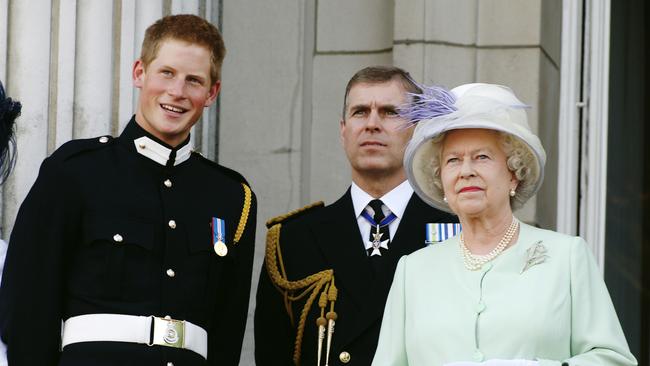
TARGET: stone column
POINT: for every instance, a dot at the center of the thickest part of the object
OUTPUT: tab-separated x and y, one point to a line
509	42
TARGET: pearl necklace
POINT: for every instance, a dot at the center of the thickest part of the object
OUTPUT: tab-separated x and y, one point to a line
474	262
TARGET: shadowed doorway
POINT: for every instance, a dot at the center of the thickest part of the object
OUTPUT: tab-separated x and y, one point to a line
627	249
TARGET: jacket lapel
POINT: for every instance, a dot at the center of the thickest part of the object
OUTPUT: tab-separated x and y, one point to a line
408	238
410	233
338	236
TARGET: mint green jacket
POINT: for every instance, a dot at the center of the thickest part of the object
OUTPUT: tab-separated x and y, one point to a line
557	310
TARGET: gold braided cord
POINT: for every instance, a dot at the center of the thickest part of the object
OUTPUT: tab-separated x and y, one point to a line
310	285
244	214
332	294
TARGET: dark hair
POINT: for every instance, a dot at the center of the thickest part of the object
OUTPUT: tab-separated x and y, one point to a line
378	75
188	28
9	111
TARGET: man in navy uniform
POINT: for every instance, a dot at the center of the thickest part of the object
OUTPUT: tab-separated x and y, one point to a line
142	248
328	270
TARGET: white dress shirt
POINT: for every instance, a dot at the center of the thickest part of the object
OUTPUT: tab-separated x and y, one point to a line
394	201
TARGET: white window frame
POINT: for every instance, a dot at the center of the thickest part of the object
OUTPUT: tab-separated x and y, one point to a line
588	201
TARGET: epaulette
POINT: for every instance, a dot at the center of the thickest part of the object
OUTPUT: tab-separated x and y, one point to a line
316	288
227	171
294	214
74	147
248	195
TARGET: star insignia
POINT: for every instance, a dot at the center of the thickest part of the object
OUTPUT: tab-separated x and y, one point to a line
378	243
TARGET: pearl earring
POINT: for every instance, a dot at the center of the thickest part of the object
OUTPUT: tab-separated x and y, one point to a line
444	198
512	192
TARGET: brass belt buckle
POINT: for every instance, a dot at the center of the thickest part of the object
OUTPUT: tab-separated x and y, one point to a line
168	332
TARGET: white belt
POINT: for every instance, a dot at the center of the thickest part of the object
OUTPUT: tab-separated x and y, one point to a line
135	329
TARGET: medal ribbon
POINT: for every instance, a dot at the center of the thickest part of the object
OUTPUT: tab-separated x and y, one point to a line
430	230
439	232
218	230
387	220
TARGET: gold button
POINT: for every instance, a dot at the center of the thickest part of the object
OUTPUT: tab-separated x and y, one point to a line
118	238
103	139
142	145
170	364
344	357
167	317
171	273
172	224
167	183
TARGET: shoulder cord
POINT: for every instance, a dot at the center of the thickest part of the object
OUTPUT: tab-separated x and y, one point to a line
243	219
310	285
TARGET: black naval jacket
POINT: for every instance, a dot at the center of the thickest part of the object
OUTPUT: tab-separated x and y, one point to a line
63	259
327	238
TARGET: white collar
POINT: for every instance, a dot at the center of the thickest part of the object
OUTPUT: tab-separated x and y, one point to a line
159	153
396	200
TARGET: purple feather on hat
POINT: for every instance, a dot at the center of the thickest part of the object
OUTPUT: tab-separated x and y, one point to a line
434	102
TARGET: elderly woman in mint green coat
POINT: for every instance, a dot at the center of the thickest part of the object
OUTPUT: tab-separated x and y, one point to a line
502	293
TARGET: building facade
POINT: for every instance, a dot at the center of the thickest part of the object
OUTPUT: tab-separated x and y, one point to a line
579	64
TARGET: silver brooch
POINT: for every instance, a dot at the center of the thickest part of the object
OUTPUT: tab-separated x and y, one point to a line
536	254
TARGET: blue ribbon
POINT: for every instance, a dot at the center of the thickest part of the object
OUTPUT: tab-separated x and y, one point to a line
387	220
218	230
439	232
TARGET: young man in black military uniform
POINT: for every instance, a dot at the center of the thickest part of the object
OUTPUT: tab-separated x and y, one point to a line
328	270
140	246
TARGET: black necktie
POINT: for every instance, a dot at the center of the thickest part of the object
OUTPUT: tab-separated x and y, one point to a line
383	233
171	160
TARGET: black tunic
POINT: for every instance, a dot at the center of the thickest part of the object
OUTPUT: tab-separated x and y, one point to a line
63	259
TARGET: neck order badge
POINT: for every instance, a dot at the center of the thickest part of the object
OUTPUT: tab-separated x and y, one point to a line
219	236
377	235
